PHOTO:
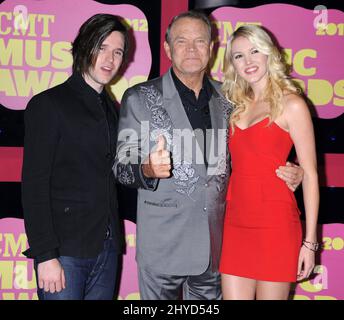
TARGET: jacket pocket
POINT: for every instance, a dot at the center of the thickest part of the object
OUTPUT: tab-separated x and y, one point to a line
66	213
163	204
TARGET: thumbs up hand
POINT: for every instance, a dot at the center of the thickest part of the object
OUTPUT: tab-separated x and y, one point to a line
158	163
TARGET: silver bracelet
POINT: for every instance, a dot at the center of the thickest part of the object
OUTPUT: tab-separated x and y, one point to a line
314	245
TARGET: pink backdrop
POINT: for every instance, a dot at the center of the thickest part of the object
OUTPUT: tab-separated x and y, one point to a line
317	56
35	43
316	52
17	280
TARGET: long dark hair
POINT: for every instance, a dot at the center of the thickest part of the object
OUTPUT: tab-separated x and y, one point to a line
91	35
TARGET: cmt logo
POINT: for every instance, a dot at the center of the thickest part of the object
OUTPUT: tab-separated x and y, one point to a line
11	247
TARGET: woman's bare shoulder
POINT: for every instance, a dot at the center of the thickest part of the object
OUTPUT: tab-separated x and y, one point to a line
293	102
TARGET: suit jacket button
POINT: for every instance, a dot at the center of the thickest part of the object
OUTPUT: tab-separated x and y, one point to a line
204	209
66	209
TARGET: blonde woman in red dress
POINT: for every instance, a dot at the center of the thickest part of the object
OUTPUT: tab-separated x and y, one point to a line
264	250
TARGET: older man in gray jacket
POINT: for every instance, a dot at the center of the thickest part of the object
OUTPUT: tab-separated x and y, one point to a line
172	146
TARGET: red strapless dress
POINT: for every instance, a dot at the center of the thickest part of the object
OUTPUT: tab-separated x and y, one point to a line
262	230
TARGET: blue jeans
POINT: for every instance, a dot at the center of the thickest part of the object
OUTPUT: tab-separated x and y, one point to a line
87	279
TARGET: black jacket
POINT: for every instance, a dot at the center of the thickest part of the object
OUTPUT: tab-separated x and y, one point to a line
68	188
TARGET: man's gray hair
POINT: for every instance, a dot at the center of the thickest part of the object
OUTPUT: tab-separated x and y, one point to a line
188	14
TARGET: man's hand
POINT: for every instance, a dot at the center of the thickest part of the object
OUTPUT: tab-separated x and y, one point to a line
291	174
51	276
158	163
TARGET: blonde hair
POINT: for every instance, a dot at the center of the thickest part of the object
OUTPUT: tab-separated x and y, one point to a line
238	91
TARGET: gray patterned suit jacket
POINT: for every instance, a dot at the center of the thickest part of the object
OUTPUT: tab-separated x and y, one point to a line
179	219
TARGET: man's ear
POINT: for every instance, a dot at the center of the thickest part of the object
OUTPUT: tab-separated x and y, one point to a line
167	50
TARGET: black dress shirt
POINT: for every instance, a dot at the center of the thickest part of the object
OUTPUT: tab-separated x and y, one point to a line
197	109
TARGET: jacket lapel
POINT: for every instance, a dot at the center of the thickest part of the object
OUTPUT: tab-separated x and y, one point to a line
182	126
173	104
217	138
88	96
